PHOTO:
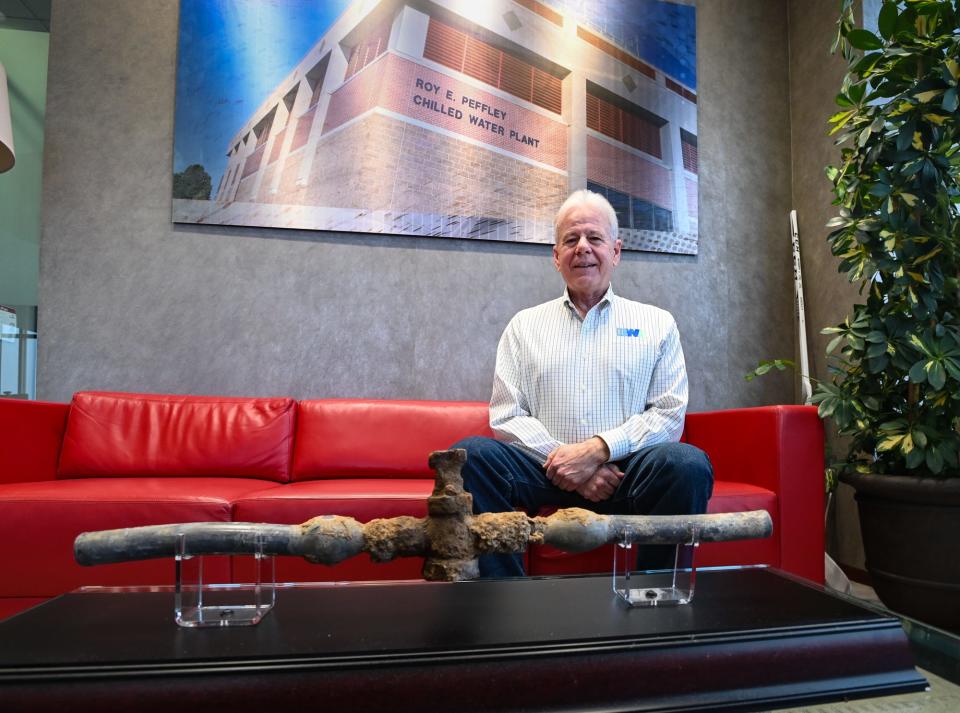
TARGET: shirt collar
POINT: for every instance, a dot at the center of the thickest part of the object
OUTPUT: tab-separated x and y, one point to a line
605	300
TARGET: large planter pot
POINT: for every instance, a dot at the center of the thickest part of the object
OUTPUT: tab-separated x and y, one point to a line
911	537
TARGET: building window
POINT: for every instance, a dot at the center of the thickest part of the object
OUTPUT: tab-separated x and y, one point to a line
481	60
635	213
678	89
315	79
262	132
688	145
252	164
365	51
277	146
614	51
302	131
638	129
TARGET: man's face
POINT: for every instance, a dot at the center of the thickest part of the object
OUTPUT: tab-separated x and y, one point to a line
584	254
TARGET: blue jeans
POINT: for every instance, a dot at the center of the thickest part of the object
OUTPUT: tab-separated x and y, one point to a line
664	479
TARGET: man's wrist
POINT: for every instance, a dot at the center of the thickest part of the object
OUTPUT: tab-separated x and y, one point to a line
618	443
602	449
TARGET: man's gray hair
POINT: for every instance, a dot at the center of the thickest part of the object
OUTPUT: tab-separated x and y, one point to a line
587	197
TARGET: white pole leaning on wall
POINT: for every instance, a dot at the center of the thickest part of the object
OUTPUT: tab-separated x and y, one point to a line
806	388
834	577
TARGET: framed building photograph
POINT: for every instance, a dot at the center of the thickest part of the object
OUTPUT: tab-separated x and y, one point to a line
450	119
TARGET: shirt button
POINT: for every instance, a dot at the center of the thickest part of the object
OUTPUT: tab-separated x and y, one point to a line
583	387
583	422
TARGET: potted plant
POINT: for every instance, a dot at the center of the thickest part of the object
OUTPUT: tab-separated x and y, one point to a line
894	386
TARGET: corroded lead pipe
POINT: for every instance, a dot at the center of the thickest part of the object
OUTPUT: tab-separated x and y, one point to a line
332	538
450	538
576	530
325	540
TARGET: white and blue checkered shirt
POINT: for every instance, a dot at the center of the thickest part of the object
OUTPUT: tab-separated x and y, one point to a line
617	373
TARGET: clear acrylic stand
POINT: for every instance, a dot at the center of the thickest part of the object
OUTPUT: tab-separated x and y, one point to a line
199	603
658	588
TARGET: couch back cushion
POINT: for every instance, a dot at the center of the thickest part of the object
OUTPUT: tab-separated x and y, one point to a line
361	438
116	434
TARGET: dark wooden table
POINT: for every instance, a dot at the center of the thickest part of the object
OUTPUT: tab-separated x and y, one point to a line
751	639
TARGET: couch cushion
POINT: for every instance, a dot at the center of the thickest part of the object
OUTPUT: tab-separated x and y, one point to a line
32	434
364	500
360	438
112	434
727	497
40	520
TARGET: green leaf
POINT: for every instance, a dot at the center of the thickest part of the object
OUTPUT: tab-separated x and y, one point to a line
953	67
934	460
890	442
827	406
839	116
918	374
906	445
905	22
862	320
905	135
953	368
766	365
911	168
857	91
920	438
929	95
950	100
930	254
864	40
937	375
915	458
895	425
866	64
887	20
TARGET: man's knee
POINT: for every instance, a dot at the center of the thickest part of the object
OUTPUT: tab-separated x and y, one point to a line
474	444
483	456
687	464
480	450
683	465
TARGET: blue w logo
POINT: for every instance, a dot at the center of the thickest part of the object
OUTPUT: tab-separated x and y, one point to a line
623	332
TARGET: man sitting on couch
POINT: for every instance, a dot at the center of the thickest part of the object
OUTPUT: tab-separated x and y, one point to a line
589	397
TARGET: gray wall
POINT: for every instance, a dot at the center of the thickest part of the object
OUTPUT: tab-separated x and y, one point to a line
130	301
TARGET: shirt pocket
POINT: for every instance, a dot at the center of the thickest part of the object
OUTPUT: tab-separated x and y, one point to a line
629	368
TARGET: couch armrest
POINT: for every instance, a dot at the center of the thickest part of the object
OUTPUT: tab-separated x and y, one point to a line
31	432
779	448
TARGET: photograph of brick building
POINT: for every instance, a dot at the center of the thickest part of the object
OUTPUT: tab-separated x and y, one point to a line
461	119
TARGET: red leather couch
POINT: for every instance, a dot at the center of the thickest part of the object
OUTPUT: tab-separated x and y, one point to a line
110	460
